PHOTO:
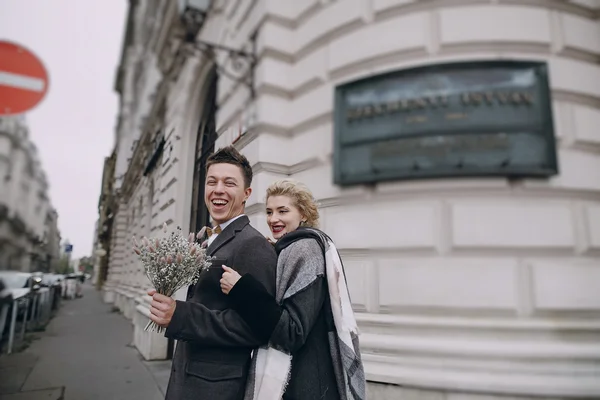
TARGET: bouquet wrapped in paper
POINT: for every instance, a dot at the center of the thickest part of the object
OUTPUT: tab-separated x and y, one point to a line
171	262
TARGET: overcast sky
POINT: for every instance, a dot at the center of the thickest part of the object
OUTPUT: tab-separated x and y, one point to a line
79	42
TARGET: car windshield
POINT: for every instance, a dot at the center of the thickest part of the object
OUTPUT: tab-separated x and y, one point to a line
15	281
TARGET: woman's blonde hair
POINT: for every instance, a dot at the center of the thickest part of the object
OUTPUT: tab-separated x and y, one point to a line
302	199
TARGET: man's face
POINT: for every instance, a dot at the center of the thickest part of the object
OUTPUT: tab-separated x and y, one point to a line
224	192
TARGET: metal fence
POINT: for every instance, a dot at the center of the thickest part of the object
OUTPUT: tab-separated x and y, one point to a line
32	308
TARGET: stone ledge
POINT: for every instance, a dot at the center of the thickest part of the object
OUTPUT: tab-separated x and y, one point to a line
515	349
484	376
524	357
494	325
152	346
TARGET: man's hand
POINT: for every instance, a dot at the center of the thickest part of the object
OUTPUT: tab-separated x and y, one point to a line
229	279
161	308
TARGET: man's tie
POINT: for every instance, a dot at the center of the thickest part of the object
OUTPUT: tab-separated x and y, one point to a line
211	231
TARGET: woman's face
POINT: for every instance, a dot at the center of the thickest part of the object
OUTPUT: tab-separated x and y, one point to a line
282	216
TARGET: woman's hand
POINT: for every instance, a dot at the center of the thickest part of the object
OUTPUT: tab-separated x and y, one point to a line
229	279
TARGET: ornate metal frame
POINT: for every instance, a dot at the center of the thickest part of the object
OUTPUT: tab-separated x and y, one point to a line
238	66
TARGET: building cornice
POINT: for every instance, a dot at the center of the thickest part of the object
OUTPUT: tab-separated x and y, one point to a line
127	40
153	125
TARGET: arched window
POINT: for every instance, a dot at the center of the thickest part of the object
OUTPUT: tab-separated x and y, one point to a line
205	146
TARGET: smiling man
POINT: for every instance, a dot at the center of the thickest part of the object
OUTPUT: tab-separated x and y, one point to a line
213	353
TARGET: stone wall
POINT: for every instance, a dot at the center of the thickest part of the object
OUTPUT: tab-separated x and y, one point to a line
464	288
462	285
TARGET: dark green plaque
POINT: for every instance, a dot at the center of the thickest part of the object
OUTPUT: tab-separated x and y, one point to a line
487	118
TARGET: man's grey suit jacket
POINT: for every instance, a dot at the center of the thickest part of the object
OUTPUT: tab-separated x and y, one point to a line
214	343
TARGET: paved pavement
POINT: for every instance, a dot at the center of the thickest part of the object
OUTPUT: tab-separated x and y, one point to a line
84	354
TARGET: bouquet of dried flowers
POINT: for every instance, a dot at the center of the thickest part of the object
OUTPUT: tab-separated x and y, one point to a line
171	262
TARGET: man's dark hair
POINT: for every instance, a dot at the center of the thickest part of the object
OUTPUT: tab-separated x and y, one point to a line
229	155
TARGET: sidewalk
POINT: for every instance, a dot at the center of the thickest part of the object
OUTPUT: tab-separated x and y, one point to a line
84	354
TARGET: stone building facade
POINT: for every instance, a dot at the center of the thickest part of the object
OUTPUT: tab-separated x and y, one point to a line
466	288
29	235
103	234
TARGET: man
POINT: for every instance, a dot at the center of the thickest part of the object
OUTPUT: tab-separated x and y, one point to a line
213	353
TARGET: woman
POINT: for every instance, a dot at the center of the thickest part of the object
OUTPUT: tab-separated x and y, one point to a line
309	325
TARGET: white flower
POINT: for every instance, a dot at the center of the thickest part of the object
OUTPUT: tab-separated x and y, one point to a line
172	262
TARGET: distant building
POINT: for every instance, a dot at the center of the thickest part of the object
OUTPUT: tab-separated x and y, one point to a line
465	287
51	244
106	208
29	233
94	257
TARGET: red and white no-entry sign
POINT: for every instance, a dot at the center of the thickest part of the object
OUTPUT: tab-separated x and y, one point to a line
23	79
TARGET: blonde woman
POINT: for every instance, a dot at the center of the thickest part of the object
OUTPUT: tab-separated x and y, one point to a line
313	348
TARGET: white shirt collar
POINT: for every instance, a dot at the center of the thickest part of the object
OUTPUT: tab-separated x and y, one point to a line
224	224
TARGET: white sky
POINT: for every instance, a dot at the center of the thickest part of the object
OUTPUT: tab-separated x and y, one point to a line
79	42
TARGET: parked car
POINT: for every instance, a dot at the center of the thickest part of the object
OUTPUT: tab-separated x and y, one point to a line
16	282
37	278
54	281
73	286
5	294
17	279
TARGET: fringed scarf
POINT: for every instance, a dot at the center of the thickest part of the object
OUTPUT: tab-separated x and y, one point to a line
270	368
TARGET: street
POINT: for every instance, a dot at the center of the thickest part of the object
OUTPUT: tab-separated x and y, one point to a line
84	354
